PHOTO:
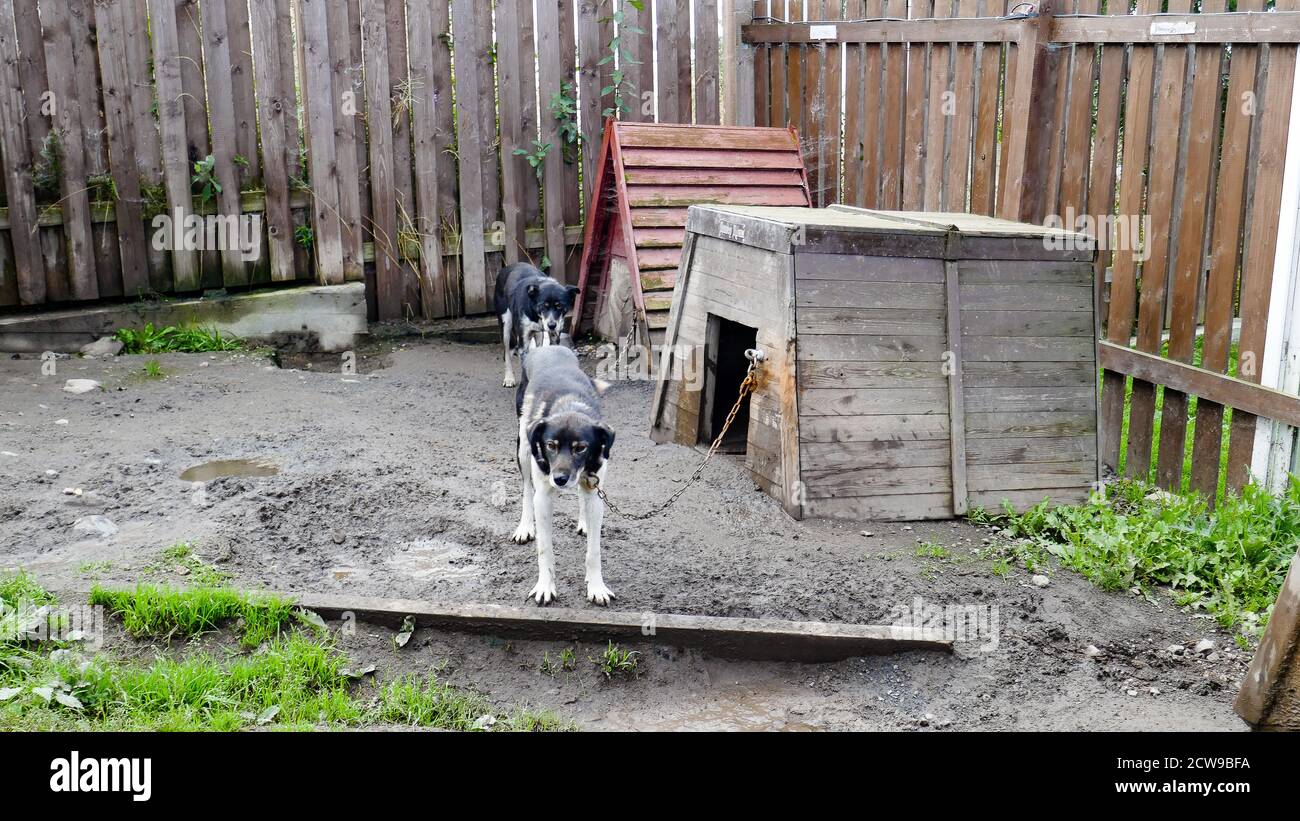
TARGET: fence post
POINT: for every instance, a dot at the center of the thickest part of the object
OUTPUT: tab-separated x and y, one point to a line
737	64
1027	133
1274	455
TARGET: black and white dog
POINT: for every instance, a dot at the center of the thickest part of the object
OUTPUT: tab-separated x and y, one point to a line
531	306
562	443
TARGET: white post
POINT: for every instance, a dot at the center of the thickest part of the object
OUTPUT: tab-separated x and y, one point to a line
1274	456
737	64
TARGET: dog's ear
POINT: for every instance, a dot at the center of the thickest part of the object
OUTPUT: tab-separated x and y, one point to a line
606	435
532	291
537	443
572	291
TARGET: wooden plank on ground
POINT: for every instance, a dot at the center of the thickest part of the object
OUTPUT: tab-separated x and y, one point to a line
29	265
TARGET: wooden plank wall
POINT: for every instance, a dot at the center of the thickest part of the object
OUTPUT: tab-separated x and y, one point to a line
338	123
1182	144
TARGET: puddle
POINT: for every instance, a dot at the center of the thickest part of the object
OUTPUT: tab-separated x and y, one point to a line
221	468
437	559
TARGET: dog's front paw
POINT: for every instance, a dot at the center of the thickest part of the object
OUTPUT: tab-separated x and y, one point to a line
509	381
598	593
544	591
523	534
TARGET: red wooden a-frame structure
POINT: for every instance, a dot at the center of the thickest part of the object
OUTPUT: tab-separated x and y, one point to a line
647	176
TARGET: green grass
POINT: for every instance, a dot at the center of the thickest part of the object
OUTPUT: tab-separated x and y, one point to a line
297	679
1229	561
153	369
1197	357
174	339
199	573
615	661
164	612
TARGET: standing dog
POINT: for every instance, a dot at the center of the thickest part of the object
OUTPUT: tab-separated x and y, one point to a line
531	306
562	443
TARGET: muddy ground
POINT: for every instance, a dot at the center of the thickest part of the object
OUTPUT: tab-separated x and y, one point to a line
400	481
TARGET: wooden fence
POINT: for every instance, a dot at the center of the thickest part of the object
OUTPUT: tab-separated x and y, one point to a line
1180	119
339	122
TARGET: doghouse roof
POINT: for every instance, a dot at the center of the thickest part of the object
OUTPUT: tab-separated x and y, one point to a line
650	173
849	230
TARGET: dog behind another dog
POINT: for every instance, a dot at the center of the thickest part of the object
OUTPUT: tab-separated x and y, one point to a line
563	442
531	306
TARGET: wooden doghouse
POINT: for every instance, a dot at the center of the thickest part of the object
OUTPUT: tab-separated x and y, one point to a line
648	175
917	364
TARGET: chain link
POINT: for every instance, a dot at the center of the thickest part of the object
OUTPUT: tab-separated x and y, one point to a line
746	387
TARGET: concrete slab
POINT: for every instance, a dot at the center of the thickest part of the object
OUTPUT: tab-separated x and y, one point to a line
329	316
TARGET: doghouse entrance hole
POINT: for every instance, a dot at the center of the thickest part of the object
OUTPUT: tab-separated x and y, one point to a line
724	369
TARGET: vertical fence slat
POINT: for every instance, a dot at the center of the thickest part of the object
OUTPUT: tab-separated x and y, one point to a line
444	140
439	294
855	82
1197	172
914	135
379	138
794	79
550	75
685	61
31	71
221	106
321	147
1167	119
875	112
1221	284
640	70
1132	190
110	23
937	117
988	82
892	107
29	264
572	204
1274	111
61	67
469	96
668	66
762	71
594	33
706	62
490	174
1078	124
814	107
344	105
274	111
832	146
241	82
514	167
172	133
189	34
963	104
403	96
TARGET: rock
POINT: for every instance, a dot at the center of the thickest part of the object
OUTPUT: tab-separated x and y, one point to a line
1212	657
1132	692
1091	651
97	524
80	385
60	421
868	533
104	346
72	491
1203	647
1040	580
53	474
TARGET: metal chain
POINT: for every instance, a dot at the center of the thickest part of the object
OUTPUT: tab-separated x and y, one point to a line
746	387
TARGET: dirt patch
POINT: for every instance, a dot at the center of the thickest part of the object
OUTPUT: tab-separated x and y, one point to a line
401	482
